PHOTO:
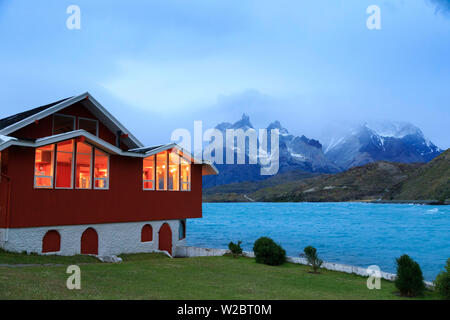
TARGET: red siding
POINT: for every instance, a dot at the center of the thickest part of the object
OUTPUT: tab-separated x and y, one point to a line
125	201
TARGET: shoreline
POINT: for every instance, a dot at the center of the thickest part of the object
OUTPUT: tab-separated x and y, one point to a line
190	252
419	202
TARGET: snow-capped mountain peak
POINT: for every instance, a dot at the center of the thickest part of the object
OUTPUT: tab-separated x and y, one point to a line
390	141
277	125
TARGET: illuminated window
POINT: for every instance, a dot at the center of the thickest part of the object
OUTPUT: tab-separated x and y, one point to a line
63	123
43	167
174	171
101	170
88	125
84	166
161	171
64	164
149	173
185	175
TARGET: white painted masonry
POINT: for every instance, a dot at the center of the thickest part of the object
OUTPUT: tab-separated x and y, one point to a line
113	238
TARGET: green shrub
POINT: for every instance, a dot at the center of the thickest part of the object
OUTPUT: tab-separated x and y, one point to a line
442	282
268	252
313	258
235	248
409	277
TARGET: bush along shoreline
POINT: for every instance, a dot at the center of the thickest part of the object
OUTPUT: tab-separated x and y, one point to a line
408	280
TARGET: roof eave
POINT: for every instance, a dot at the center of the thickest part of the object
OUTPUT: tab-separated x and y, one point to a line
40	115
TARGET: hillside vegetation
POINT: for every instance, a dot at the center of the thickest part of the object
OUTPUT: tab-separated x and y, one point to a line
368	182
375	181
237	192
430	182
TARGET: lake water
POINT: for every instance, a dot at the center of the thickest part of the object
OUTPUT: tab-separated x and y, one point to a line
357	234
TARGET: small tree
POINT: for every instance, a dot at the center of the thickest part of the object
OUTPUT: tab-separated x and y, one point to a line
442	282
268	252
313	258
235	248
409	277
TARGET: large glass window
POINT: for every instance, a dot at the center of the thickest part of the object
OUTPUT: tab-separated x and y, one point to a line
185	175
149	173
174	171
43	167
101	170
64	164
88	125
161	171
84	166
63	123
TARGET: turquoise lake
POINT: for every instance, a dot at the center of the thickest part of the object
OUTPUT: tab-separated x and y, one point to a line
359	234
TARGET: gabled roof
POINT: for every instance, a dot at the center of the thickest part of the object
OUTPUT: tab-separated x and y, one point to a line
208	167
13	123
8	121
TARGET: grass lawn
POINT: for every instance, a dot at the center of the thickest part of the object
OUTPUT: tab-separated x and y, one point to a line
155	276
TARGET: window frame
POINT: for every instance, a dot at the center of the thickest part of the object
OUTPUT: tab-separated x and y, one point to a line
182	183
52	178
88	119
93	170
183	226
154	174
91	173
72	173
63	115
166	174
179	171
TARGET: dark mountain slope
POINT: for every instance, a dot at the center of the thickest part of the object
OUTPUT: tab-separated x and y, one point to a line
430	182
368	182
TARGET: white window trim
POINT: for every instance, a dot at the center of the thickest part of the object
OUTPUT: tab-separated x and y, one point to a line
181	183
90	173
154	176
45	177
166	176
148	189
63	115
101	179
72	179
188	182
96	122
179	173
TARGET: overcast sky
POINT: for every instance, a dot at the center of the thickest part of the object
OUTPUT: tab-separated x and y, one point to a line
160	65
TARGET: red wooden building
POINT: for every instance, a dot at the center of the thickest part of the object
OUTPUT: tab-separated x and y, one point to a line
75	180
